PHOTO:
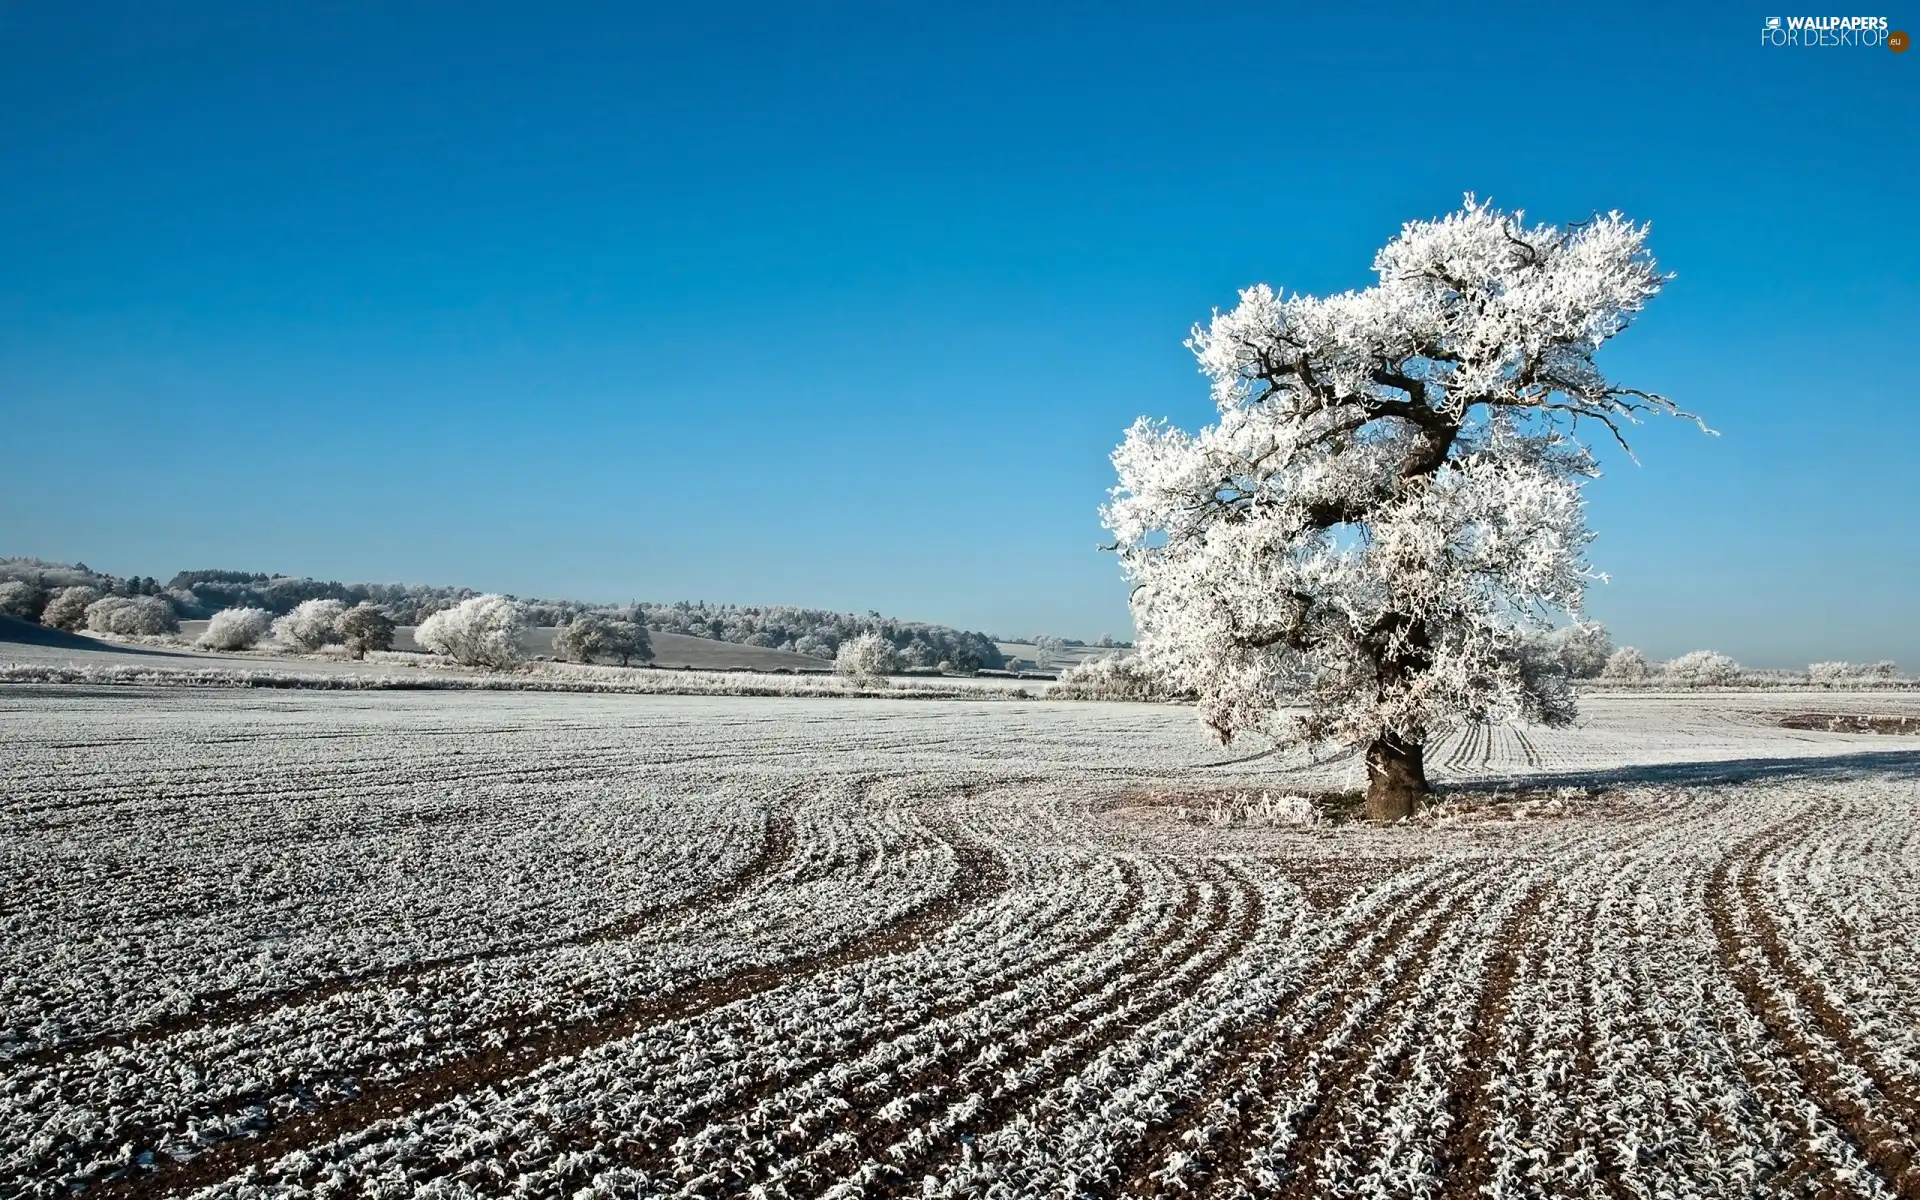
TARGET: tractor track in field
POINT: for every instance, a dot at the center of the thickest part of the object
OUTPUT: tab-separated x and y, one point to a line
1357	949
979	876
1462	1155
1207	956
1885	1144
970	995
776	848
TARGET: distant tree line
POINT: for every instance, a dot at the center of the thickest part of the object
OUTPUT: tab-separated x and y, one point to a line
199	595
302	614
820	634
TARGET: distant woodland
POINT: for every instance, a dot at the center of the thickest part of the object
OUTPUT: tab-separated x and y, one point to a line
197	595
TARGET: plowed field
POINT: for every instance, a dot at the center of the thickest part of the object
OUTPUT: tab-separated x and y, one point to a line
337	944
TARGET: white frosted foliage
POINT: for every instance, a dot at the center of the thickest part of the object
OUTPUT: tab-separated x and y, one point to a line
132	616
868	656
480	632
236	628
1389	507
311	625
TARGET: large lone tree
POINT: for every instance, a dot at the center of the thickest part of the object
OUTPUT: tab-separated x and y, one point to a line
1390	503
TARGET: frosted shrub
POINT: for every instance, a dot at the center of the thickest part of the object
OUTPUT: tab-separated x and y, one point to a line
1846	672
22	600
68	608
132	616
236	629
311	625
1113	677
481	632
590	634
365	627
1702	668
867	657
1626	663
1583	648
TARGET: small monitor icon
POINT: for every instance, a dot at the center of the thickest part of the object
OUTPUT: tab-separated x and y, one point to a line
1773	23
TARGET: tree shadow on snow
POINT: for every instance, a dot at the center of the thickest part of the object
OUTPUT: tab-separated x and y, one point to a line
26	633
1902	763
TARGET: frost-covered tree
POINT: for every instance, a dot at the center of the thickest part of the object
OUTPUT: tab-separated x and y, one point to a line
1391	498
1701	668
591	634
865	658
236	628
132	616
1849	672
1582	648
22	600
481	632
311	625
365	627
579	639
1046	649
628	640
68	608
1110	677
1626	663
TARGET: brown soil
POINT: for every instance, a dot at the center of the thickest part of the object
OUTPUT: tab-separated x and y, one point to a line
217	1008
1886	1144
979	876
1463	1161
1201	944
1247	1096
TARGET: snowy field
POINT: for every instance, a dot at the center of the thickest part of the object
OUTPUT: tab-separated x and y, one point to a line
341	944
32	654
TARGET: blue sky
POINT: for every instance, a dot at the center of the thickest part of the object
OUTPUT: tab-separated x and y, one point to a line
846	306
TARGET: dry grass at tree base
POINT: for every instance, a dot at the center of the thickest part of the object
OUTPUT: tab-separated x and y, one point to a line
307	943
1270	807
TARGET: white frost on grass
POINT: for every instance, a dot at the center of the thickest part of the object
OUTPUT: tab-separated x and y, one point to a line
881	937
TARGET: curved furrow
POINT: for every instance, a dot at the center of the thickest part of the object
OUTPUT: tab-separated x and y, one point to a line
794	1101
1834	1085
1378	1114
1216	1110
978	877
1463	1159
1140	1090
1837	924
727	1065
776	849
965	1104
790	1131
1315	1064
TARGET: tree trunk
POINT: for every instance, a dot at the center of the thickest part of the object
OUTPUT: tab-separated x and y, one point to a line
1396	778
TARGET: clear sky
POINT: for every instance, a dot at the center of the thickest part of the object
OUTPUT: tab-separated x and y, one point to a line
846	306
